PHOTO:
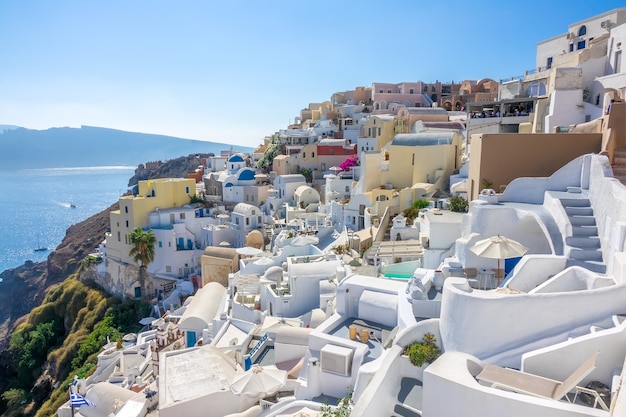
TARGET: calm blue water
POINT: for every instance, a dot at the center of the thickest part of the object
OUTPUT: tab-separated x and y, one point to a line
35	206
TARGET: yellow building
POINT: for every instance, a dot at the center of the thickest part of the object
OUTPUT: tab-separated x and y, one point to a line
407	116
428	158
380	127
133	212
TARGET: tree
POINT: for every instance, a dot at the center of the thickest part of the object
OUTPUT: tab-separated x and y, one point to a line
143	253
458	204
308	174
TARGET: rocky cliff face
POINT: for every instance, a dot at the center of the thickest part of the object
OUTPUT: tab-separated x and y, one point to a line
24	287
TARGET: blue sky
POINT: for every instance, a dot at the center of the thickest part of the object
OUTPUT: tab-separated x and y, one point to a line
236	71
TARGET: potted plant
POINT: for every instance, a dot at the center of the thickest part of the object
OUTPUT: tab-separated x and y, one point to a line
424	352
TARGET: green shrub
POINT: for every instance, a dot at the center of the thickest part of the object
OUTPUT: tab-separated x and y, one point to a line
457	204
343	408
423	352
420	204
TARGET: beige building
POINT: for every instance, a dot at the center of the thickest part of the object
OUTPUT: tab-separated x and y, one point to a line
286	164
407	116
428	157
381	128
216	263
497	159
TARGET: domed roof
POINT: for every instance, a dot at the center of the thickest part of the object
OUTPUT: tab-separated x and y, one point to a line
245	174
236	158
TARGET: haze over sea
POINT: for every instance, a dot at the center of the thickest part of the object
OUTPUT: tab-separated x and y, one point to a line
35	206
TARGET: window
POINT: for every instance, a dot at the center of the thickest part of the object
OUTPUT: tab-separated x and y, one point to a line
347	188
380	91
126	223
187	190
388	91
247	221
312	154
168	268
571	47
413	159
253	212
369	132
303	154
582	31
182	216
236	220
618	62
379	131
119	237
258	219
411	91
160	244
126	209
549	63
580	45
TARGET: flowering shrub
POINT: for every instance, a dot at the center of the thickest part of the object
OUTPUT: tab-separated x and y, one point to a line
423	352
349	163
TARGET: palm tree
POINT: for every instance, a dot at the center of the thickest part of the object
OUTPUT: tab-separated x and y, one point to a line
143	253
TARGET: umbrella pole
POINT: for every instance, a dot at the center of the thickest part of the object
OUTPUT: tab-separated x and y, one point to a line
498	272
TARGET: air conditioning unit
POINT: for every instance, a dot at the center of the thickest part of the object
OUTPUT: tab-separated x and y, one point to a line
605	24
336	360
570	35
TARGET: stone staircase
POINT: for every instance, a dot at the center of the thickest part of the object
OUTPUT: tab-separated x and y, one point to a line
583	246
619	165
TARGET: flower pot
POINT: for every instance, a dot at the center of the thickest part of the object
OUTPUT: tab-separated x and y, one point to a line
438	279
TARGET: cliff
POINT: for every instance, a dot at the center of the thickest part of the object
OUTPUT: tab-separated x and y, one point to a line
23	289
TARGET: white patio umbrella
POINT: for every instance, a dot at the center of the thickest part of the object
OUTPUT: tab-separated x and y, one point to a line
264	261
258	381
249	251
146	320
295	223
303	412
498	247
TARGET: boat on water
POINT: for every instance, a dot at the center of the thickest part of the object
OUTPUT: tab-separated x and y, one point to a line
72	205
40	248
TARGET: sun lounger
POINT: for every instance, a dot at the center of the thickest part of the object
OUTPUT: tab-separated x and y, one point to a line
538	386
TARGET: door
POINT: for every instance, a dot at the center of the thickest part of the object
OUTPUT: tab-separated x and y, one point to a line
191	339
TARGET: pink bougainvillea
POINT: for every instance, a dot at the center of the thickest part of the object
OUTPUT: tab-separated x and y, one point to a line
349	163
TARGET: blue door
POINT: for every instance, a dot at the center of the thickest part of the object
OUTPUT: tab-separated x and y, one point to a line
191	339
181	243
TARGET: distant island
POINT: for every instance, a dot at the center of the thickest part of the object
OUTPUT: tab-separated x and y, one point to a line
94	146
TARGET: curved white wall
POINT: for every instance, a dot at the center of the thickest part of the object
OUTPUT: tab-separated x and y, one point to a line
486	323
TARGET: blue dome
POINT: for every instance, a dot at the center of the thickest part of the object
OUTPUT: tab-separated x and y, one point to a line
235	158
246	175
228	184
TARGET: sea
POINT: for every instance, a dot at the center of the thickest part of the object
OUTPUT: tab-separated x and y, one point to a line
38	205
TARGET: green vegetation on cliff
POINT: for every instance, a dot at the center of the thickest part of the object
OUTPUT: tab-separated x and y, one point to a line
63	335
